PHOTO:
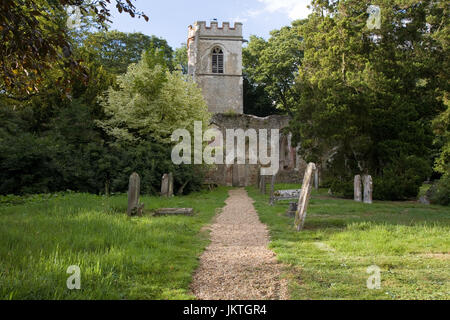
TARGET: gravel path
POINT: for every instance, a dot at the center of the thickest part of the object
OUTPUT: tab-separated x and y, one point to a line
237	264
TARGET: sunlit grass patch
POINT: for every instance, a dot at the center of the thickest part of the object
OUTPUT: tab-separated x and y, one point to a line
119	257
342	238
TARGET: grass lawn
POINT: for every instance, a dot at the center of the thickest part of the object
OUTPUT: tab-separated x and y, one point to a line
408	241
119	257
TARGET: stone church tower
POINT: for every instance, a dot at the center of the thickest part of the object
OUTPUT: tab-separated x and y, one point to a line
215	63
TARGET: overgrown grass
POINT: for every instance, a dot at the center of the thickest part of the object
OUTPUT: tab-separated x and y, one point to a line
408	241
119	257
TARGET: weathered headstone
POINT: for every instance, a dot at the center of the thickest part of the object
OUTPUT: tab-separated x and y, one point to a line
272	189
368	188
292	209
134	189
305	194
357	190
424	200
316	179
167	185
170	191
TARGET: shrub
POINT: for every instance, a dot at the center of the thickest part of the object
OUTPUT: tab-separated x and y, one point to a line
399	180
439	193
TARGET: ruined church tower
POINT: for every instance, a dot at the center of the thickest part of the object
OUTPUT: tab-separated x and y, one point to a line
215	63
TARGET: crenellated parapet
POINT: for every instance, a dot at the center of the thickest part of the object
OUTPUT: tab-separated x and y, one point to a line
225	30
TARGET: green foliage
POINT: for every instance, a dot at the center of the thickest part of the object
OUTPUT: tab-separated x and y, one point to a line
116	50
271	66
180	59
367	97
441	126
256	101
34	37
439	193
342	238
52	142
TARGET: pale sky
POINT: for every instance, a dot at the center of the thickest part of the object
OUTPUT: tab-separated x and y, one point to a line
170	19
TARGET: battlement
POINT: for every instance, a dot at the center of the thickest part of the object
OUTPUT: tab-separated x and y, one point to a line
214	30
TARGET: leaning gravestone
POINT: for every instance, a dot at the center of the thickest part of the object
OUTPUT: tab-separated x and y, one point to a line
368	188
134	189
292	209
357	188
305	194
291	194
316	179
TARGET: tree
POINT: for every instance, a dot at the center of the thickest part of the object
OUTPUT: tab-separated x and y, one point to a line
273	64
367	97
152	102
256	100
34	37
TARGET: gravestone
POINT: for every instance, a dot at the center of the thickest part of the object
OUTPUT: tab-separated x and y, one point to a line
167	185
170	191
305	194
258	177
174	212
292	209
357	188
262	184
272	187
368	188
286	194
134	189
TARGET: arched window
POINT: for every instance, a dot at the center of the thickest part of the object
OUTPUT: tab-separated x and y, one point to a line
217	60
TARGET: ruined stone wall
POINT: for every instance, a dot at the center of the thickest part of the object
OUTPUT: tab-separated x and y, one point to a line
239	175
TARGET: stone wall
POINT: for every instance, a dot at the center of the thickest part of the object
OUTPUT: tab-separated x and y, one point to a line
239	175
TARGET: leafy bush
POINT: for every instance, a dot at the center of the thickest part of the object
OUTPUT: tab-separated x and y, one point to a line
399	180
439	193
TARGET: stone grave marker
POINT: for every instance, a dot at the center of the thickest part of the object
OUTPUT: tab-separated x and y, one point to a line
292	209
368	188
357	188
305	194
167	185
134	189
262	184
